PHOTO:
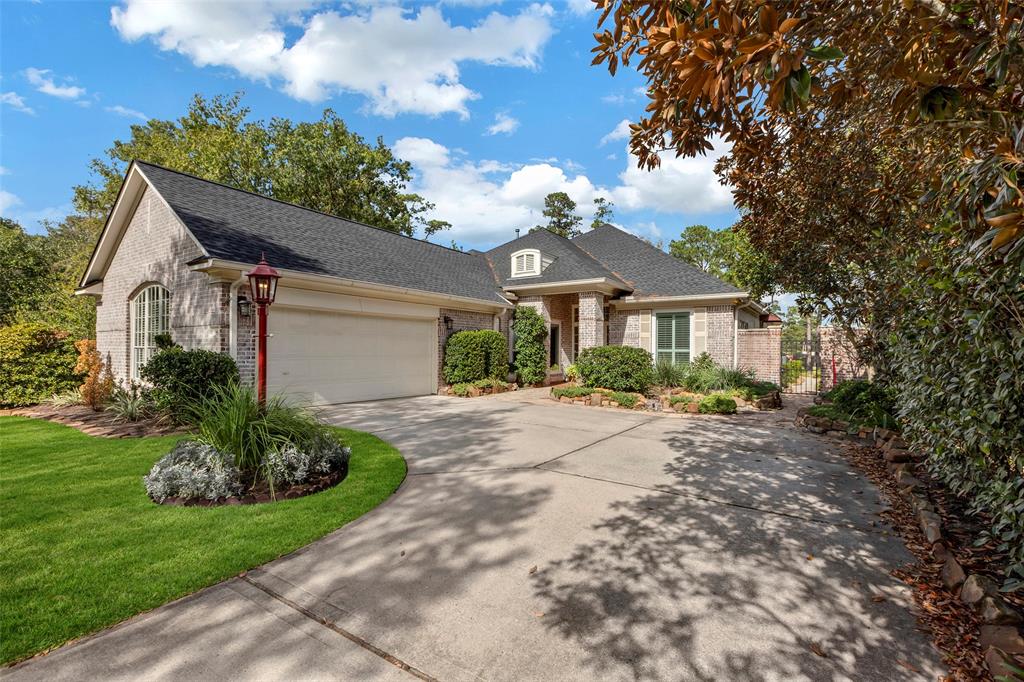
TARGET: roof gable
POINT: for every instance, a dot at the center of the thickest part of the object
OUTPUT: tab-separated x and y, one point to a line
567	261
649	270
239	226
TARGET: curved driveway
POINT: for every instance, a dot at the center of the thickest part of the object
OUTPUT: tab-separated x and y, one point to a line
535	540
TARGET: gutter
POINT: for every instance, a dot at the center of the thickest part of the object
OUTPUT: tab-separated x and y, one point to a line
204	265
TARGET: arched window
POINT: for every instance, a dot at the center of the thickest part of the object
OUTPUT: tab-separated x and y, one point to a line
149	317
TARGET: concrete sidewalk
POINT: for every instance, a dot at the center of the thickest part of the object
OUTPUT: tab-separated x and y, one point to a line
547	541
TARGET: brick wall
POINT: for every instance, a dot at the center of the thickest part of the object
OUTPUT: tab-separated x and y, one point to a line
837	346
761	351
591	322
155	249
720	327
624	328
245	342
462	320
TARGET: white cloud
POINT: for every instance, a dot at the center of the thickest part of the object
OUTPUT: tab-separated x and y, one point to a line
679	185
45	83
400	60
486	201
8	201
16	102
4	170
504	124
621	132
126	112
581	7
614	99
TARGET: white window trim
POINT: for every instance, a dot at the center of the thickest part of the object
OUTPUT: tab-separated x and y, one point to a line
534	271
654	329
133	364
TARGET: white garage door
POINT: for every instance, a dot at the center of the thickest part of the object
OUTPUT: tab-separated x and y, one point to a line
328	357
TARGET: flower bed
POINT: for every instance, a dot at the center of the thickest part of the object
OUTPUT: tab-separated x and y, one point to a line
668	400
245	452
478	388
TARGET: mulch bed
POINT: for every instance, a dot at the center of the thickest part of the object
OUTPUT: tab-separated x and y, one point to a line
95	423
260	493
952	625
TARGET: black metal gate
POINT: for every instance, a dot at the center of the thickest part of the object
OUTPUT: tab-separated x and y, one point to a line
801	363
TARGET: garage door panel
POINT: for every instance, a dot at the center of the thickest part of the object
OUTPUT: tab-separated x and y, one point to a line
327	357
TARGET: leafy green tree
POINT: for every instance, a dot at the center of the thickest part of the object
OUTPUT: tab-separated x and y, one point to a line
531	354
728	255
699	246
560	211
321	164
603	212
25	270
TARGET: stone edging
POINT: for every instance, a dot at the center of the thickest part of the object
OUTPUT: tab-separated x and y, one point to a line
662	403
1001	636
476	392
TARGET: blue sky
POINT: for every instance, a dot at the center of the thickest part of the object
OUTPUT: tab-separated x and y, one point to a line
495	103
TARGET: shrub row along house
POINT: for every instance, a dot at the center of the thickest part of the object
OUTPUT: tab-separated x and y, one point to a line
363	313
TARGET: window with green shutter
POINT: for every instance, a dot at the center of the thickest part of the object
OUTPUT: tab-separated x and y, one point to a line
673	342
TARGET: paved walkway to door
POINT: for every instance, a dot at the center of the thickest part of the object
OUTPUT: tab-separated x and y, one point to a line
545	541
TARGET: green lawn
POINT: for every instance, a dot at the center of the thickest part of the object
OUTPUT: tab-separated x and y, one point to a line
83	547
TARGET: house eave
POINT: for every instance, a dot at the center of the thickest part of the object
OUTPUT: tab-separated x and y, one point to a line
602	284
226	270
640	302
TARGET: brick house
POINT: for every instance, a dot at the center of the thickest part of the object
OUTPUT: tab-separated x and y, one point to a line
363	313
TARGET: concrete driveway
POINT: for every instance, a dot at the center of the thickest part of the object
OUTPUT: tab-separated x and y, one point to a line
545	541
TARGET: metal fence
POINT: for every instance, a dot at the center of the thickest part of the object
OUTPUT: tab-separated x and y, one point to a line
801	364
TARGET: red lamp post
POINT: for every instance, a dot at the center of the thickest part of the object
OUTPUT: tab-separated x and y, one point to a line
263	288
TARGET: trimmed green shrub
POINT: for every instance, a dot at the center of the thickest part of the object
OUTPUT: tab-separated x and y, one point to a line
620	368
624	399
473	355
183	379
676	399
716	403
571	392
531	357
36	362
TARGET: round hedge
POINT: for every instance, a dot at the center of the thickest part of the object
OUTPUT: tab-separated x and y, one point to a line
619	368
473	355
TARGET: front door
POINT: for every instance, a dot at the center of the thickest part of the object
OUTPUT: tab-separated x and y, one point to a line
555	341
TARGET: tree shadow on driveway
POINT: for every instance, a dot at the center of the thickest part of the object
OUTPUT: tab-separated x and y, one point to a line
708	581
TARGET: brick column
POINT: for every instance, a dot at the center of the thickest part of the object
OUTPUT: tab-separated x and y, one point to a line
591	306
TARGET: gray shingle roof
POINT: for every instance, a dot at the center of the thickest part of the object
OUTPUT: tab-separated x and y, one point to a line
235	225
569	262
649	270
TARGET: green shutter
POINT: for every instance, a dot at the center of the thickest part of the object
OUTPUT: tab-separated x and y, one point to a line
673	342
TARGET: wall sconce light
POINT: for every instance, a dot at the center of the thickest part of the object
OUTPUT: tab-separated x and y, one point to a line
244	307
448	323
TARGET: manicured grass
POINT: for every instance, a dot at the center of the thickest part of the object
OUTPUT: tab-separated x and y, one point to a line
83	547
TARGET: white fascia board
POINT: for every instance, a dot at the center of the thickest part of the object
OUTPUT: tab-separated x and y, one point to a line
293	278
128	197
602	284
736	298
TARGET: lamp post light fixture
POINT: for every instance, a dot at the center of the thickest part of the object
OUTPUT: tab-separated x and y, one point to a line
262	289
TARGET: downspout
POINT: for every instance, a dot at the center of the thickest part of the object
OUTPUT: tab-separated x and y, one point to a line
735	336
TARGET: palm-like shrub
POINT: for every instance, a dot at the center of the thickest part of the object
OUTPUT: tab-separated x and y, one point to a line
669	374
